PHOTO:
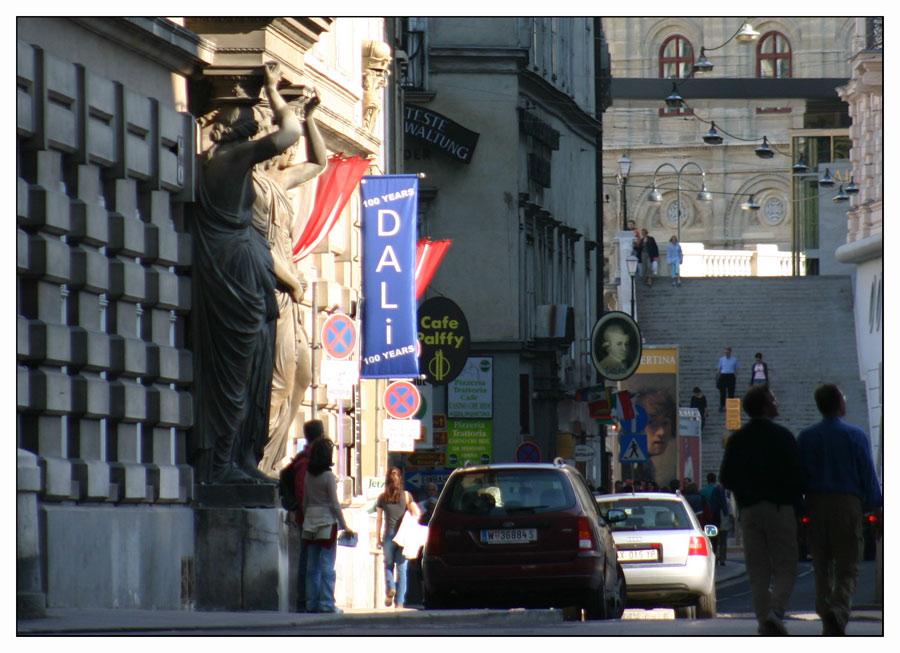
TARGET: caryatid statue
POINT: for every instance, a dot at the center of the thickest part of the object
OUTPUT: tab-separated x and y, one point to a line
274	216
234	302
376	60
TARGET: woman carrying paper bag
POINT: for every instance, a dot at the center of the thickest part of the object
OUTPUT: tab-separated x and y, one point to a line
391	506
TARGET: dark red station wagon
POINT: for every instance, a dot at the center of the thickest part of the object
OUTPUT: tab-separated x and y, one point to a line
521	535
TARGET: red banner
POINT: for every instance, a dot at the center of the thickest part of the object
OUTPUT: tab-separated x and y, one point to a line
334	188
429	254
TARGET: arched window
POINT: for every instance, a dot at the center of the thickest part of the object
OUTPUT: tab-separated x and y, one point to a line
773	56
676	56
773	59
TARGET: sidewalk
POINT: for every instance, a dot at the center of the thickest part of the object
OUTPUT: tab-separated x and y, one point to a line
74	621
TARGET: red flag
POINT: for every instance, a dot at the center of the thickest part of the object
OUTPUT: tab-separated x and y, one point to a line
334	188
429	254
626	410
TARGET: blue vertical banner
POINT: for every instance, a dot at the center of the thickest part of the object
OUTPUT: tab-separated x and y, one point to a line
390	206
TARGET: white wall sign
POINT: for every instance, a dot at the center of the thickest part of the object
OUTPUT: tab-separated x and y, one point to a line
401	434
471	394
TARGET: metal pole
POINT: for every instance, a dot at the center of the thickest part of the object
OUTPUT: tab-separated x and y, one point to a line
632	296
678	201
312	354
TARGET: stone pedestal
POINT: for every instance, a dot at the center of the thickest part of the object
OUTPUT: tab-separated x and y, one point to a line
31	601
241	555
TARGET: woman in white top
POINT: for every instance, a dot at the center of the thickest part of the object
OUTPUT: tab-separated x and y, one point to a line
759	373
321	518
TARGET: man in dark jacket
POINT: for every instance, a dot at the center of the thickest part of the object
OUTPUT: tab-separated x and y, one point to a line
649	256
762	467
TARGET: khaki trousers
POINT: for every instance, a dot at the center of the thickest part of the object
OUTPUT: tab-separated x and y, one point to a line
770	552
835	544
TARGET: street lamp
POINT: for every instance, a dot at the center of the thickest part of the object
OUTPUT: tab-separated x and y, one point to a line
632	264
624	169
704	195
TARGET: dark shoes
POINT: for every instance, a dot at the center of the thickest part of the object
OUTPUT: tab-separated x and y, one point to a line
831	625
773	625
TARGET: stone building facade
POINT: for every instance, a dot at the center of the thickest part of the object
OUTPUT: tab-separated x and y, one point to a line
521	212
864	246
746	94
109	512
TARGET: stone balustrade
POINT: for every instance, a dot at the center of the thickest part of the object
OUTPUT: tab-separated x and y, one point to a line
764	261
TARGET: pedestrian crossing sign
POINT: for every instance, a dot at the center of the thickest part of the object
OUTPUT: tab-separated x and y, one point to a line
633	447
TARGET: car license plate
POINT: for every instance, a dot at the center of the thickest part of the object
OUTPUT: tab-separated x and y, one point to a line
508	535
637	555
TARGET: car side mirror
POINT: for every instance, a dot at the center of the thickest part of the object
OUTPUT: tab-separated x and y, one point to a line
711	530
616	515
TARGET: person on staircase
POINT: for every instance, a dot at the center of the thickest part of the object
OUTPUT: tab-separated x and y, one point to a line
759	374
649	256
726	371
674	257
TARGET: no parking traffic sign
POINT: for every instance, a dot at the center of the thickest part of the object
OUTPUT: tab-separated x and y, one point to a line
528	452
401	400
339	336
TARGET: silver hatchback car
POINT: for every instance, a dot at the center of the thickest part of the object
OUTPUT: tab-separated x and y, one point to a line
667	556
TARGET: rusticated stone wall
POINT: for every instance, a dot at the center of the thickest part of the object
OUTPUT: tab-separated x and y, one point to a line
102	296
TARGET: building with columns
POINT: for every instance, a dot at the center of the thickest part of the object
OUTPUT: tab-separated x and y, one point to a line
110	513
775	89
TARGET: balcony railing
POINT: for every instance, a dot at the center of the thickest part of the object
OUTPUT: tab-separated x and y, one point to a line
875	33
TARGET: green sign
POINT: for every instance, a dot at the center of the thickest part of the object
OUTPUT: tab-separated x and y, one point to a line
469	440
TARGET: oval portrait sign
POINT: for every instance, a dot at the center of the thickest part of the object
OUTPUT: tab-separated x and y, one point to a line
616	346
444	339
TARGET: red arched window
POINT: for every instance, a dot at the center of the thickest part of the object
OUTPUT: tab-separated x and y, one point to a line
676	56
773	56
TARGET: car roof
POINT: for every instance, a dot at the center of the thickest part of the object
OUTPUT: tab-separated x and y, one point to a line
664	496
518	466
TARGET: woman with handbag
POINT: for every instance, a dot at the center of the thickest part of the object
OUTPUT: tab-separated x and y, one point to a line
391	506
321	518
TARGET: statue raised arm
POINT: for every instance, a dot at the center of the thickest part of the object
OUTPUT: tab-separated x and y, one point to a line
234	310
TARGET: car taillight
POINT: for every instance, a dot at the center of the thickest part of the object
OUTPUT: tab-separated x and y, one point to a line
698	546
872	519
804	519
433	545
585	535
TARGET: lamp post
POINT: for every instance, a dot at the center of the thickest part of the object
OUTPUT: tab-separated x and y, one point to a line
632	264
624	169
704	195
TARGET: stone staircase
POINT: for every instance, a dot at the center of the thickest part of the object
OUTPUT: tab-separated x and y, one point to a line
802	325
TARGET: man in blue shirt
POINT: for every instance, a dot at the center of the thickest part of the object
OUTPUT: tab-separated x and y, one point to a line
841	482
726	371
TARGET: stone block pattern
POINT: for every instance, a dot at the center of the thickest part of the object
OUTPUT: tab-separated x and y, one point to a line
103	373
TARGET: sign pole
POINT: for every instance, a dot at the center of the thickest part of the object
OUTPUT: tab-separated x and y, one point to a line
313	273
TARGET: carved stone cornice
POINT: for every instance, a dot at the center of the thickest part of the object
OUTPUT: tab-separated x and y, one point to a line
177	48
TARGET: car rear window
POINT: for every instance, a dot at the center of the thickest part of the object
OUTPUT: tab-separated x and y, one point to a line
509	492
649	515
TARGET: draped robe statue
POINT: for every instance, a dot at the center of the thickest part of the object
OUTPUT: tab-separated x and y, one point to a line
234	307
274	216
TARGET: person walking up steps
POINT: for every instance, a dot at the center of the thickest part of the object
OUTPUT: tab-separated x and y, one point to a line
842	481
762	467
